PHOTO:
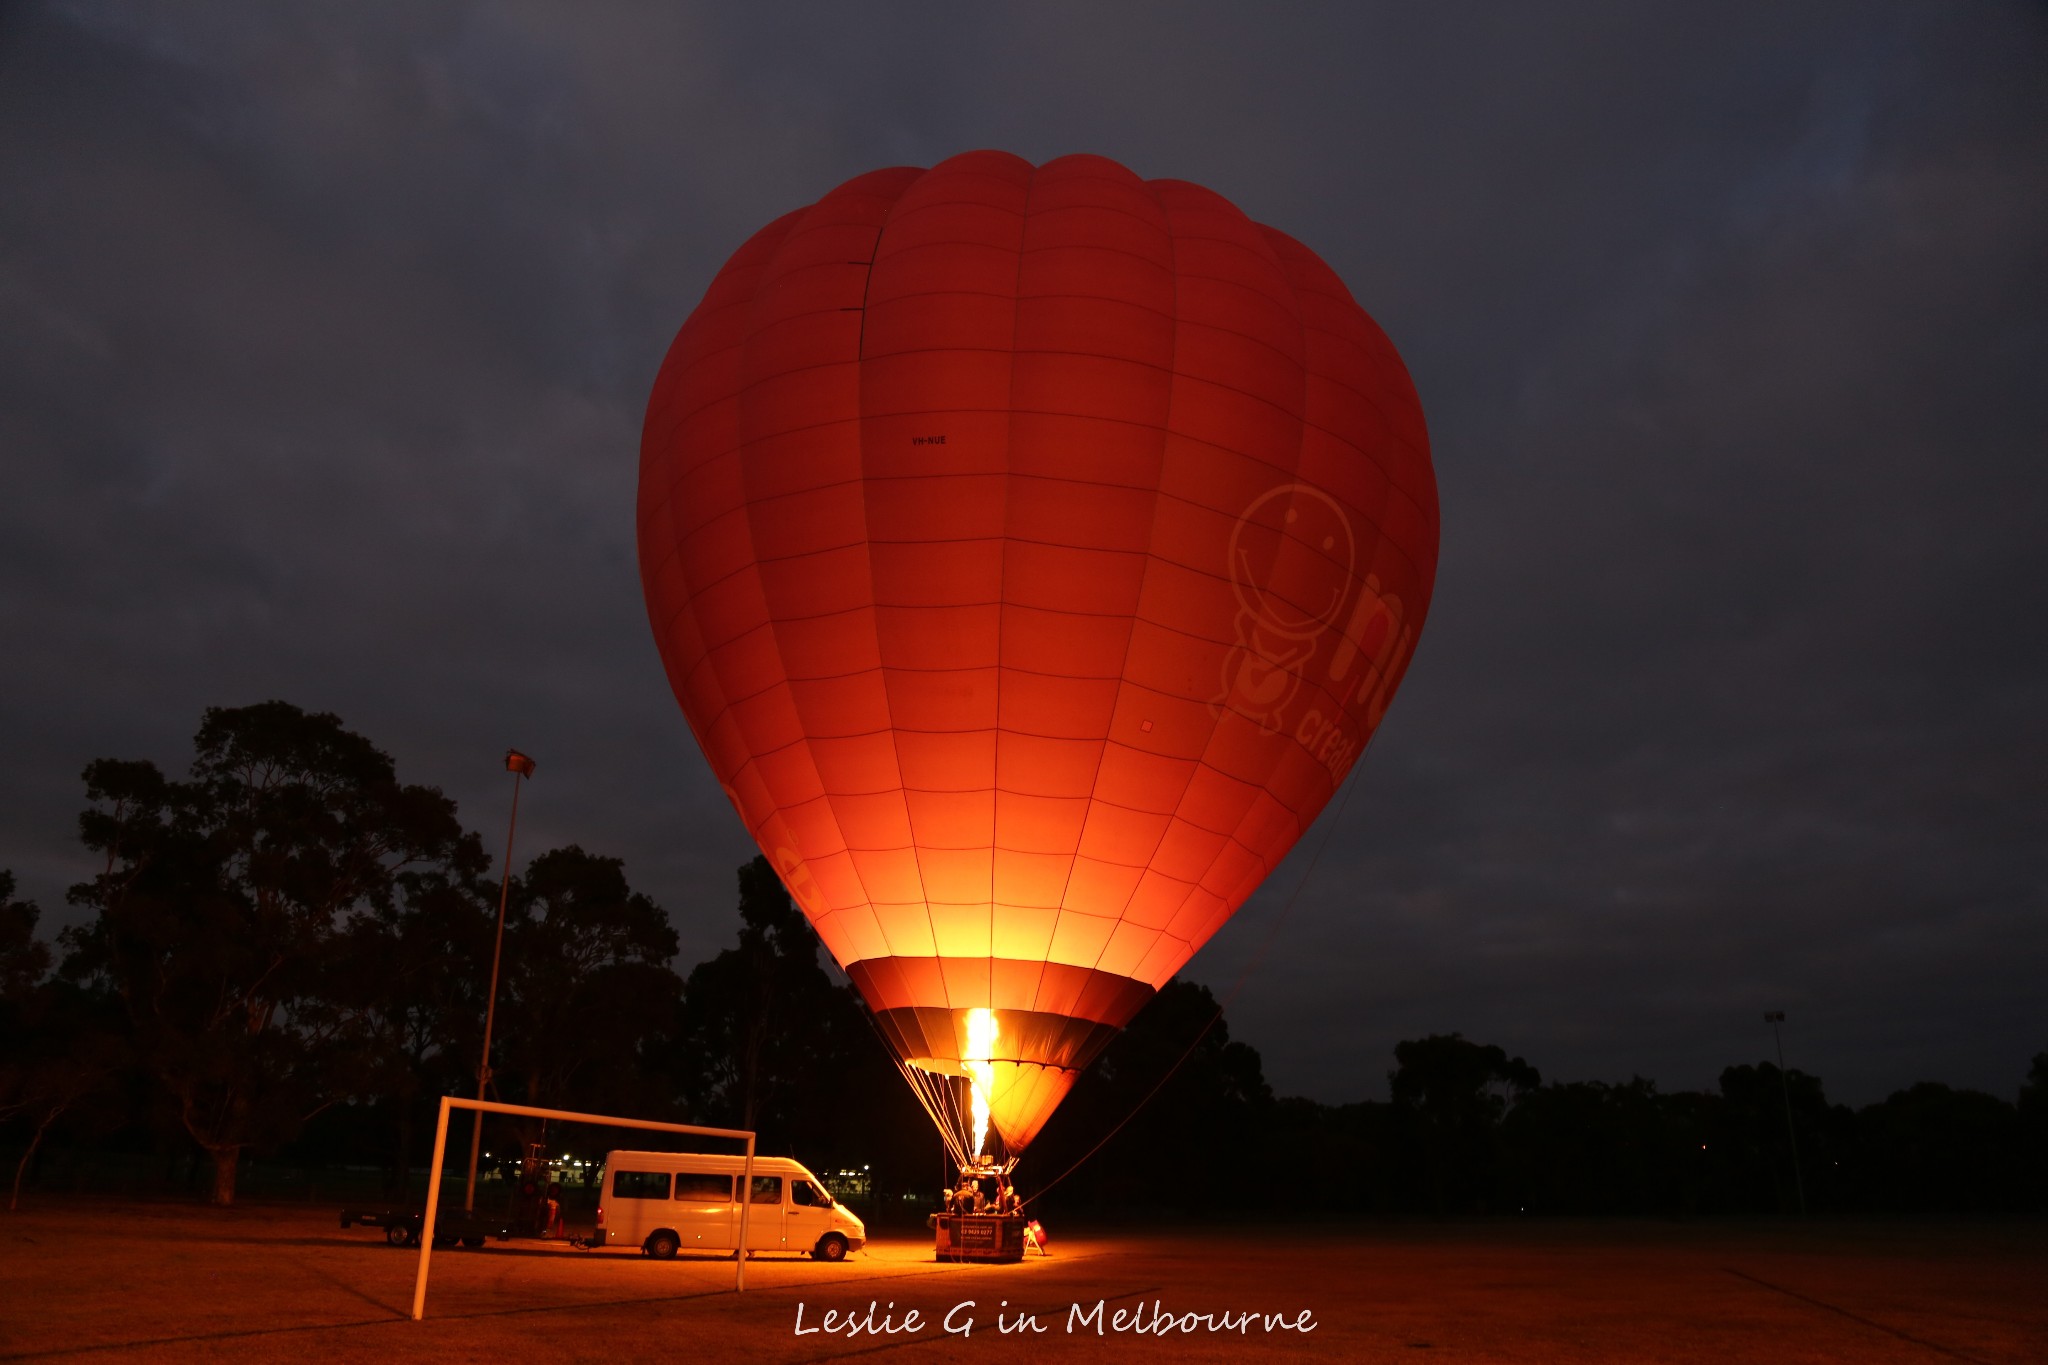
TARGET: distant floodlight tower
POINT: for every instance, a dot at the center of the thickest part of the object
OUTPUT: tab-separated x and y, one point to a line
519	765
1776	1019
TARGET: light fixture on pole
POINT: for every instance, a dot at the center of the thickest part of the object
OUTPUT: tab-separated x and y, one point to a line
1776	1019
519	765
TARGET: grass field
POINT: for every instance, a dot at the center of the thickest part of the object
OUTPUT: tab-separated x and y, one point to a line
175	1282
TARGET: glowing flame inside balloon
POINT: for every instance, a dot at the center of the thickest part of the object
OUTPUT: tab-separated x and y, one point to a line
981	1072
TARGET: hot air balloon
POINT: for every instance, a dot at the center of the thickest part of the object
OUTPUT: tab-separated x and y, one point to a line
1033	551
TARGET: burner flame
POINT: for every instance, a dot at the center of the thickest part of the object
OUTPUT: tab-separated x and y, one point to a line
981	1071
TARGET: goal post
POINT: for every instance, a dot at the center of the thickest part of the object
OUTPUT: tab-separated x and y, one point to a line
481	1107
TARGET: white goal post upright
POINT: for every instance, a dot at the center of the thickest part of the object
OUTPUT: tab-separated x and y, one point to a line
482	1107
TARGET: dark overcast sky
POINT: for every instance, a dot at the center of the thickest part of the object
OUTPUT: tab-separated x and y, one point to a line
326	332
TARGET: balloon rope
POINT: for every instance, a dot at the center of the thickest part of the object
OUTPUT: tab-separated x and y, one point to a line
958	1128
925	1096
931	1094
1258	957
929	1088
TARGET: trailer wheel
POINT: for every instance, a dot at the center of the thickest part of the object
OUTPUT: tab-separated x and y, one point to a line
398	1234
831	1247
662	1245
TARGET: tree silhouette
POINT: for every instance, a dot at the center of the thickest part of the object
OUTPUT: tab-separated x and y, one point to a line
219	907
769	1041
289	930
57	1044
410	970
587	988
24	959
1935	1149
2033	1115
1587	1147
1203	1122
1453	1094
1755	1152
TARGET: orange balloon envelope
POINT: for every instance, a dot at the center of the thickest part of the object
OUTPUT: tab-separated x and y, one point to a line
1033	552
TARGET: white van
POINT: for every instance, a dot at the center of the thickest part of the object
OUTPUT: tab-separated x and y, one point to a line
663	1202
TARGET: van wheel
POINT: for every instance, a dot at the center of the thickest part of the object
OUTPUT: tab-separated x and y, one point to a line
831	1247
399	1235
662	1246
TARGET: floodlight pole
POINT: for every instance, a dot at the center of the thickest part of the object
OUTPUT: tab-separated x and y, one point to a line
1776	1019
519	765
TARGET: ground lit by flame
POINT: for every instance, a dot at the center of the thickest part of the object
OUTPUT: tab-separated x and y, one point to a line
981	1072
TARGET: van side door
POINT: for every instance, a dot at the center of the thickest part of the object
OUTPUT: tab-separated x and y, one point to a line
704	1210
764	1216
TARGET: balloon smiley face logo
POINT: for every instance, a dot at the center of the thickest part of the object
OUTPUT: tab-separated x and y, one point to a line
1291	557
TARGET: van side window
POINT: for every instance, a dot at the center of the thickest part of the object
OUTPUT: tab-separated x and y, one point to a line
640	1185
767	1189
804	1195
704	1189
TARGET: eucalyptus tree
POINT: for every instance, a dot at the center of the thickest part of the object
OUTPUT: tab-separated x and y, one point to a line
587	988
220	906
56	1044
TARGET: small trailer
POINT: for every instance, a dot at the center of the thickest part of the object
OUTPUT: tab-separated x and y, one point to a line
403	1227
524	1210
